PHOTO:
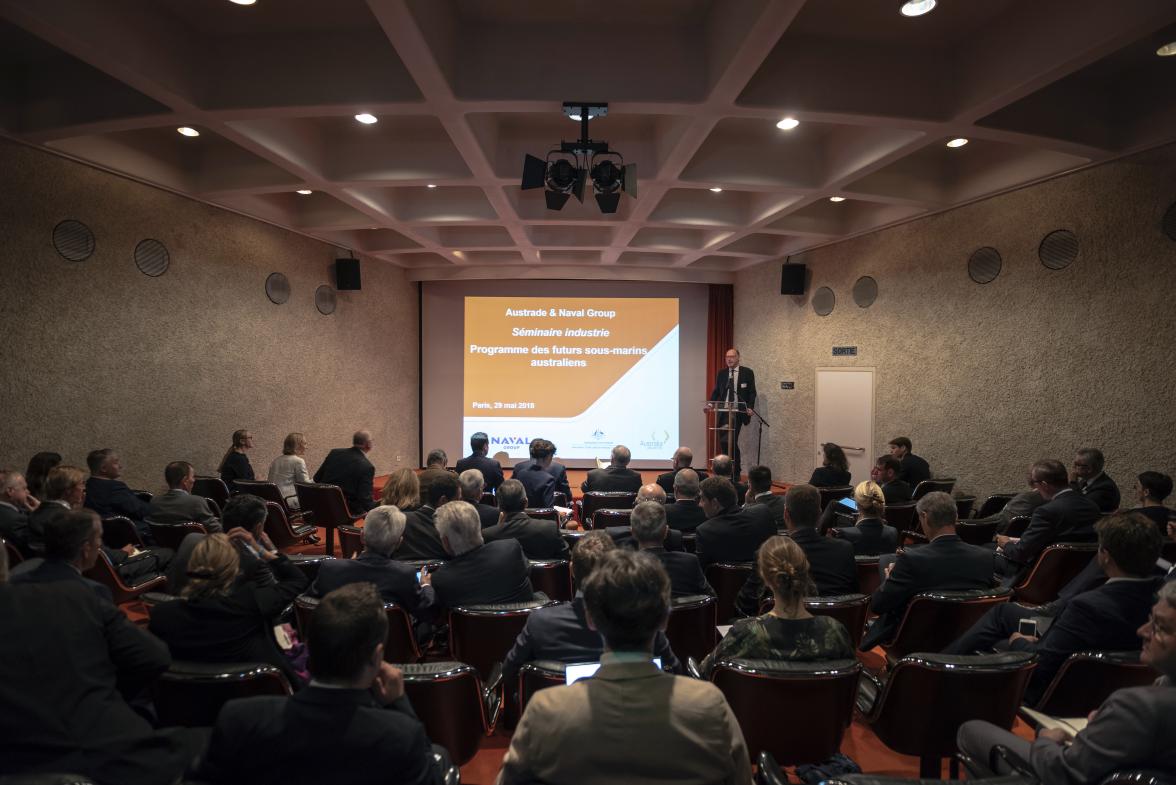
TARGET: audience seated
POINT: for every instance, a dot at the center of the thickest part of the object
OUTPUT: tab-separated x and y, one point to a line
435	463
402	490
945	563
352	726
71	542
221	619
886	473
648	524
1087	478
834	471
1020	506
478	573
289	468
1151	488
349	468
1133	729
731	533
1102	619
1066	516
540	476
616	477
70	661
788	631
471	485
244	519
870	535
685	514
15	505
722	466
109	496
421	539
178	505
478	459
396	582
912	469
682	459
538	449
540	538
623	535
660	728
759	491
235	465
38	471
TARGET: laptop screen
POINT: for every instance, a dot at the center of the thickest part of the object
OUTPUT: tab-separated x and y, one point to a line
582	670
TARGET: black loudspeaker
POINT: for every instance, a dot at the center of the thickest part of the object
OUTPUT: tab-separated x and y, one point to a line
347	275
792	278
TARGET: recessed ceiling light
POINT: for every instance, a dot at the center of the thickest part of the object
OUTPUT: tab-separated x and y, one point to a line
431	185
365	118
788	123
1167	50
242	2
575	117
186	131
304	191
716	190
959	141
836	198
917	7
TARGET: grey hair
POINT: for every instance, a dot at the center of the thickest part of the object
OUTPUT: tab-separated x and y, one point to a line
648	519
472	484
621	455
1095	456
1167	593
458	523
939	508
652	492
382	529
686	484
8	478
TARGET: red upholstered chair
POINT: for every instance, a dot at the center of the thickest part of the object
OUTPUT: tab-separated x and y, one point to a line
727	580
607	517
170	535
599	500
104	572
994	504
560	499
482	634
350	541
1017	525
869	578
1054	568
976	533
964	506
269	492
282	532
118	531
943	484
191	694
543	513
329	507
489	498
901	516
934	619
213	488
832	494
451	702
399	646
849	609
691	628
1088	678
535	676
553	578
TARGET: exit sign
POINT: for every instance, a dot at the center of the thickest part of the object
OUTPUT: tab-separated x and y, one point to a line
845	351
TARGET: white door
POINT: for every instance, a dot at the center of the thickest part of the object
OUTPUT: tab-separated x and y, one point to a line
845	416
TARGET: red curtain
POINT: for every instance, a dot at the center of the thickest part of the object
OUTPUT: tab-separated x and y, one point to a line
720	330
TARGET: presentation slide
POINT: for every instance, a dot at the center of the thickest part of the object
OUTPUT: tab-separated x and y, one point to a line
585	372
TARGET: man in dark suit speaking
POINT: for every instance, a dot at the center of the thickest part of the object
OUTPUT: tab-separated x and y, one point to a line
735	383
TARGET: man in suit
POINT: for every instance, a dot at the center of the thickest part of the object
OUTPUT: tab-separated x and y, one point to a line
478	459
886	473
831	562
383	529
244	521
178	505
542	458
1066	516
730	533
1133	729
617	477
478	573
540	538
721	466
421	538
695	737
735	385
623	535
650	530
435	467
16	503
759	491
471	484
685	514
683	457
912	469
349	468
109	496
1102	619
71	542
945	563
355	707
1087	477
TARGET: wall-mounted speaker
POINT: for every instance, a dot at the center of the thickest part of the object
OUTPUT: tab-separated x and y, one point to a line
792	278
347	275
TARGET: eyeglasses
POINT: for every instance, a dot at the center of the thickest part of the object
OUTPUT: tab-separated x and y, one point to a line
1156	629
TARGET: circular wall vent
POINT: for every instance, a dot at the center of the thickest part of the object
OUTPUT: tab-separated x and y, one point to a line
865	291
152	258
277	288
1169	223
1058	249
823	301
73	240
324	299
984	265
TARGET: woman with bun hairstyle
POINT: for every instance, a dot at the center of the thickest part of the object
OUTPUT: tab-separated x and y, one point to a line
870	535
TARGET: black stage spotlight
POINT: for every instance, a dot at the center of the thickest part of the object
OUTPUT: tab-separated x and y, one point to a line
606	183
534	170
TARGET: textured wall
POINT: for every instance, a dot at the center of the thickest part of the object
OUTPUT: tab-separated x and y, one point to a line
97	354
985	379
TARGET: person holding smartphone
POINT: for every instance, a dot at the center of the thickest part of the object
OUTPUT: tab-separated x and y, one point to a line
870	535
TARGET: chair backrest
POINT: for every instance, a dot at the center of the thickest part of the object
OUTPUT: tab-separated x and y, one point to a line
934	619
105	573
1139	777
849	609
553	578
543	513
1088	678
607	517
901	515
489	498
191	694
211	488
727	580
964	506
325	501
399	646
868	575
170	535
1168	551
1054	568
560	499
994	504
976	532
928	696
535	676
266	491
14	555
350	541
944	484
482	634
117	531
822	692
691	628
599	500
1017	525
832	494
448	699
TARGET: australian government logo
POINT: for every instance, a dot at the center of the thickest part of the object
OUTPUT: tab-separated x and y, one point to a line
654	443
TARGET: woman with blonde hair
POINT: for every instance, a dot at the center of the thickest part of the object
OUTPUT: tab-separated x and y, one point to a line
788	631
289	468
235	465
402	490
224	616
870	535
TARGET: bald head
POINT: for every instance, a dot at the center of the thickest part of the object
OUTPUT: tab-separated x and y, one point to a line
652	493
362	440
686	484
683	457
621	455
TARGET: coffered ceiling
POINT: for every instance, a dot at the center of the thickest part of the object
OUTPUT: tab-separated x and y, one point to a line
463	89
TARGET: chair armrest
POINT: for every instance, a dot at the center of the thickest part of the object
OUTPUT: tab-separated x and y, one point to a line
492	697
768	772
1010	759
869	692
158	582
494	681
692	668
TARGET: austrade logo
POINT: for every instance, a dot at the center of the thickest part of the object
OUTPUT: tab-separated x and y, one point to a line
510	441
654	443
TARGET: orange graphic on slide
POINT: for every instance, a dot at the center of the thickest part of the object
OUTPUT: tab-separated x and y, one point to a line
555	356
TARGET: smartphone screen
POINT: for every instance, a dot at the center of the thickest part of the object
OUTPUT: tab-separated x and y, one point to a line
418	576
848	502
1028	627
